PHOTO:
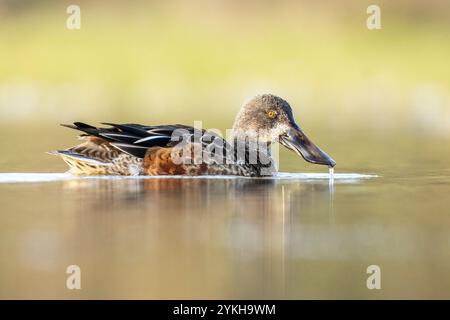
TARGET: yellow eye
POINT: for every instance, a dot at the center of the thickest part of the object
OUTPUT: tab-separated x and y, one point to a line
272	114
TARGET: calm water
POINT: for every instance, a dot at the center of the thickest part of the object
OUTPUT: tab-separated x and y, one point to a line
295	237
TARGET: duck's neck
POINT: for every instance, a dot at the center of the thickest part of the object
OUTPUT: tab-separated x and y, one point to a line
242	135
250	141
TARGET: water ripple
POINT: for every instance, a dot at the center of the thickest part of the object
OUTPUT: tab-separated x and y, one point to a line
52	177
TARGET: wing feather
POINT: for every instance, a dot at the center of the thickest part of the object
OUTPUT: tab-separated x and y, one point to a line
136	139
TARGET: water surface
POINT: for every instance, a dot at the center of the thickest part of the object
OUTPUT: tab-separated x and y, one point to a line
295	236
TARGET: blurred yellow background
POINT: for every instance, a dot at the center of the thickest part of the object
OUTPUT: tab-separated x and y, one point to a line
179	61
183	60
377	101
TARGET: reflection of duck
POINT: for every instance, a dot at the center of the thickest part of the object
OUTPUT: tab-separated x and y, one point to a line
132	149
249	197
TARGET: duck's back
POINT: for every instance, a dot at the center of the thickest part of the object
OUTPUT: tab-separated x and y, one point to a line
132	149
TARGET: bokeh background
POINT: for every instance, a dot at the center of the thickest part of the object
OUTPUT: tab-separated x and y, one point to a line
378	101
178	61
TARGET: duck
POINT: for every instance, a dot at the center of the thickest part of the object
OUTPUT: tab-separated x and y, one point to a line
158	150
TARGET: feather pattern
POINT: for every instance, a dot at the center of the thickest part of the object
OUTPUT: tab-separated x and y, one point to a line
129	149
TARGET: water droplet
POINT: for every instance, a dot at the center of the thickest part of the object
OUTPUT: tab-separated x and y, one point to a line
331	171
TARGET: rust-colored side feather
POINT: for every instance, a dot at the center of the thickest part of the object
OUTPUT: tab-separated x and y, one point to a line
162	161
158	161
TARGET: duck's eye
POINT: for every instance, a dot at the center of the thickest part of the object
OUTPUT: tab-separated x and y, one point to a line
272	114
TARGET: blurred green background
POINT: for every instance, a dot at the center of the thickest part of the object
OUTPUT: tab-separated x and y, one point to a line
180	61
377	101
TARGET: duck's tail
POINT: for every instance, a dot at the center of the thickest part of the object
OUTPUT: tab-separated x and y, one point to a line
97	156
82	165
117	150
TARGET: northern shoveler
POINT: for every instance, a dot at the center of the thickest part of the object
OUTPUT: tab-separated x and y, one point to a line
133	149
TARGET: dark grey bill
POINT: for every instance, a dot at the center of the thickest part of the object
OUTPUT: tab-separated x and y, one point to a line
295	139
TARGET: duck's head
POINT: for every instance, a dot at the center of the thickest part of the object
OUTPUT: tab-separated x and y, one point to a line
269	118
